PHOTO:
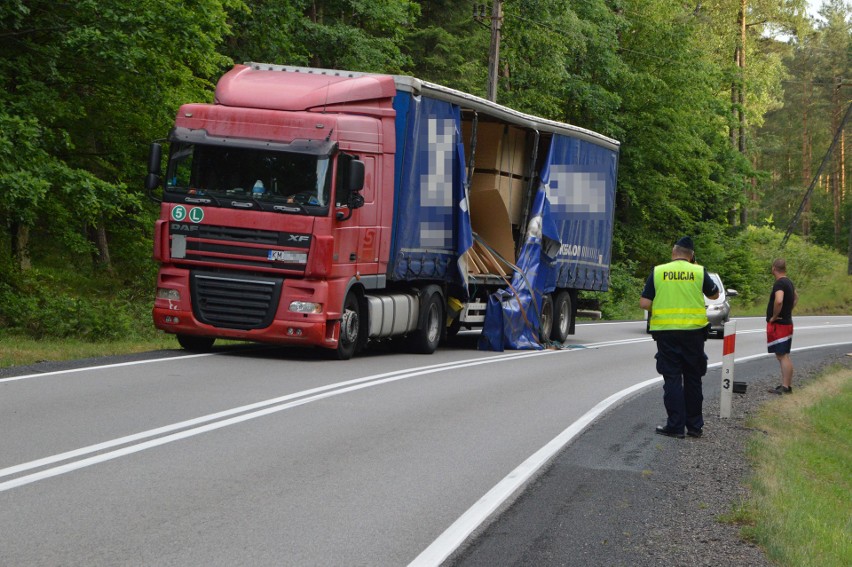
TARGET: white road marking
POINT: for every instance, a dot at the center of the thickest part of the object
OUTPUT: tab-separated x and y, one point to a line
106	366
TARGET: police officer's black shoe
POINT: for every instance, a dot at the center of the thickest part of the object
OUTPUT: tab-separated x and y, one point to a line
664	430
693	432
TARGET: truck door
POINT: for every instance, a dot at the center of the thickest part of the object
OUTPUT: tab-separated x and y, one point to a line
369	231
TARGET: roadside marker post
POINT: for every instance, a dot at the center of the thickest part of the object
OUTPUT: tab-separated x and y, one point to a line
728	348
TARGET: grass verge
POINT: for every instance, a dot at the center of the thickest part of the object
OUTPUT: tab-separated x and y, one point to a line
19	350
801	506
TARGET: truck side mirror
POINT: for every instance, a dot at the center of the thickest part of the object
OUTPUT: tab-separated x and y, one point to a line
353	184
155	156
356	176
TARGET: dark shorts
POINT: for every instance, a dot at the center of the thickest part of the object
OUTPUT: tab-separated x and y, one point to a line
779	338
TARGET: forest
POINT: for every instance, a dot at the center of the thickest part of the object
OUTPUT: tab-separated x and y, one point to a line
725	109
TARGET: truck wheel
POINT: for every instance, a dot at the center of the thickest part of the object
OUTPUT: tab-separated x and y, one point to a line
562	317
194	343
431	323
546	318
350	328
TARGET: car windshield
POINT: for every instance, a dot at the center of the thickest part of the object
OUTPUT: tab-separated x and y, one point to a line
299	183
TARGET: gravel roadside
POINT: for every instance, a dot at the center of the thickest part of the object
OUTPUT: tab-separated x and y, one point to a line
622	496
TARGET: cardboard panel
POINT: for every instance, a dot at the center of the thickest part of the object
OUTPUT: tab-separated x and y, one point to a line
490	220
511	190
499	148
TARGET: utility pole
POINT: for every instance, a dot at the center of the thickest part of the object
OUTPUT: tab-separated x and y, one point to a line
494	51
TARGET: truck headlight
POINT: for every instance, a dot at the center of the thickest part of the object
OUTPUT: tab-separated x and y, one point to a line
305	307
168	293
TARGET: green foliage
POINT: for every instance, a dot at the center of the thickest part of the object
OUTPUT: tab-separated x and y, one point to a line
337	34
24	169
818	272
86	85
794	140
40	311
678	169
448	47
621	301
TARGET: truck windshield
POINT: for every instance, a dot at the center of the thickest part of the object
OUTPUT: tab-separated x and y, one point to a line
271	180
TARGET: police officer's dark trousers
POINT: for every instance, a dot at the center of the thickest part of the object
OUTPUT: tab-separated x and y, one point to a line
682	363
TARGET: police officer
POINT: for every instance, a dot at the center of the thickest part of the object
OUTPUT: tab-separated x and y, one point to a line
678	323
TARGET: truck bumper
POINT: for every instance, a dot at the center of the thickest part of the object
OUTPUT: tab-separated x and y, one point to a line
318	333
176	316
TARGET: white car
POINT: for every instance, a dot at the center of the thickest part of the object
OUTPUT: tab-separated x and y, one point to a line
718	310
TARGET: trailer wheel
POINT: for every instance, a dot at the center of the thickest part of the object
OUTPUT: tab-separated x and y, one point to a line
546	318
194	343
562	317
430	325
350	328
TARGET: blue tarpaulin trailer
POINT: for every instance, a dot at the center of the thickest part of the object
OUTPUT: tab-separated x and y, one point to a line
563	181
331	208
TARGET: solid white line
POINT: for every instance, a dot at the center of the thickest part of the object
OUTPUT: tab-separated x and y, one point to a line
476	515
107	366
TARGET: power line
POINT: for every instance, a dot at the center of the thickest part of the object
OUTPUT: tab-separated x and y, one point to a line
816	177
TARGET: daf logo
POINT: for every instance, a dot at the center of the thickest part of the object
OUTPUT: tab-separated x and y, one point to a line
184	227
298	238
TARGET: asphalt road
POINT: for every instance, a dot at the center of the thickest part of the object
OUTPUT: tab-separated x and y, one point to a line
260	456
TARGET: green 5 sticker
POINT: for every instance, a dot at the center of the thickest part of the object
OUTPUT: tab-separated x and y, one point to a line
179	213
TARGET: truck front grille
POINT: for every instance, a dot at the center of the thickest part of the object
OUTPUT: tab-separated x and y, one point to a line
234	302
244	248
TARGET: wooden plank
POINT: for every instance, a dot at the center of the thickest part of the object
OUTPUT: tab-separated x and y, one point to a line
475	265
496	266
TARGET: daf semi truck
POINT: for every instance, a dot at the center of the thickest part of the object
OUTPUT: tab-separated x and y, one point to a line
330	208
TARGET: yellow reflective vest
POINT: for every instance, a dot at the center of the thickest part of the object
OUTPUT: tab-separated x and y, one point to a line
678	303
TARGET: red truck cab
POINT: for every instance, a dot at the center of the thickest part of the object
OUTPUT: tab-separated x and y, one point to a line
273	207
